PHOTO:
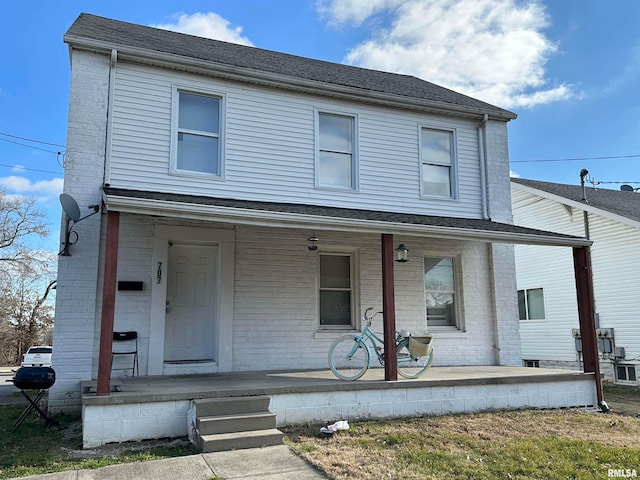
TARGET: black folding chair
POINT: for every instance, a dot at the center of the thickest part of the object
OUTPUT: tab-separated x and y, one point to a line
125	343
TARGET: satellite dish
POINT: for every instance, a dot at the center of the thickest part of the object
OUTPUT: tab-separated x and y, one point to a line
70	206
626	188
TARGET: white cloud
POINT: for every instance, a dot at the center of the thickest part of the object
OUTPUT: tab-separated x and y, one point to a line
494	50
513	174
209	25
22	185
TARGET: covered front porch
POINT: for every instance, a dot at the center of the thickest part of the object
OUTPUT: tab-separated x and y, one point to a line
159	406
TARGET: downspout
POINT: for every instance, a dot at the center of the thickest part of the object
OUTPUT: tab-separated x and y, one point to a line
112	87
482	147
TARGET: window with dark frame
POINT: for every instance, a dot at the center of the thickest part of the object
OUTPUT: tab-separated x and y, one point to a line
440	291
336	290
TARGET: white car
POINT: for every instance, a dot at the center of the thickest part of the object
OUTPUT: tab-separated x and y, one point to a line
38	356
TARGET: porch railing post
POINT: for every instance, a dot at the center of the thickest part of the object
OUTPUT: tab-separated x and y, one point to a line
586	314
108	303
389	310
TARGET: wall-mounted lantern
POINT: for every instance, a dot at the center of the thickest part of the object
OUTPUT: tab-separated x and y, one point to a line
401	253
313	242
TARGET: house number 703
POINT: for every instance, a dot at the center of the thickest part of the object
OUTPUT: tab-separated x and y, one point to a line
159	272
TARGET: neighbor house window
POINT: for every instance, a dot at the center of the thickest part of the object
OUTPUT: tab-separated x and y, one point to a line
437	155
626	373
440	291
336	290
531	304
198	133
336	151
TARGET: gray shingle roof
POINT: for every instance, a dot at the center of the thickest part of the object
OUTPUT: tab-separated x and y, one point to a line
626	204
478	225
120	35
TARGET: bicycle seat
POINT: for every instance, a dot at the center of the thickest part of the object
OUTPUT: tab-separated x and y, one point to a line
404	333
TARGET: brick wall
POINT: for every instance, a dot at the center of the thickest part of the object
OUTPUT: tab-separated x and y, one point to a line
77	274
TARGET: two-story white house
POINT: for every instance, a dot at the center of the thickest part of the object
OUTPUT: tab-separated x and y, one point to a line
251	202
548	313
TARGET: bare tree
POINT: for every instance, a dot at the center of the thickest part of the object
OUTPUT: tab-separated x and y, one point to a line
20	221
26	312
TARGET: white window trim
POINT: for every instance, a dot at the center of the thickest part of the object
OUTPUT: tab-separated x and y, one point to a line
454	162
175	103
355	160
459	326
544	304
353	253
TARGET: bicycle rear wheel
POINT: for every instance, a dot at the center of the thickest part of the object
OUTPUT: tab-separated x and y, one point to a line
348	357
411	366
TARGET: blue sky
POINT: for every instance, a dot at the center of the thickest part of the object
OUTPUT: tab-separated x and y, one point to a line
569	68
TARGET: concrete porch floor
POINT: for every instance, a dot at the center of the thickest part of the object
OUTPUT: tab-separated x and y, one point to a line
156	407
188	387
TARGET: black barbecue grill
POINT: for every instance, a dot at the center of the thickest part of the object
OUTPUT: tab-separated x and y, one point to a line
38	379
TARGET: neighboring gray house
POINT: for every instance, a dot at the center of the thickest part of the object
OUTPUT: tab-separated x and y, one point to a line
611	219
217	164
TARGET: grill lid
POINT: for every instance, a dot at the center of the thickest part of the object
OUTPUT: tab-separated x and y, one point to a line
34	378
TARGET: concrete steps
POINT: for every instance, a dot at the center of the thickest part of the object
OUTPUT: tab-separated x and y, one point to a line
235	423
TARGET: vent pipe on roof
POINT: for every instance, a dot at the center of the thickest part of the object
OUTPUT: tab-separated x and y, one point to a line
583	173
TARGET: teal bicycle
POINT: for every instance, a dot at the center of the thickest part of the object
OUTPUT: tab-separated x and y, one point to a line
350	356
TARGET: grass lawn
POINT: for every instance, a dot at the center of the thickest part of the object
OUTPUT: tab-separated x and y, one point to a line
527	444
34	449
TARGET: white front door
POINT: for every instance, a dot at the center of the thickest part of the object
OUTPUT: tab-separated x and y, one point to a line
191	303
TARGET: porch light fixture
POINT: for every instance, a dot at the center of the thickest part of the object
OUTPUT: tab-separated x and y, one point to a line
313	242
72	216
401	253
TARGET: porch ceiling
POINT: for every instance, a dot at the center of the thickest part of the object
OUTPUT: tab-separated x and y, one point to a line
288	215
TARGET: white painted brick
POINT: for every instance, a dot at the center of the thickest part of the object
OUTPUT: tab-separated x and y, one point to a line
452	405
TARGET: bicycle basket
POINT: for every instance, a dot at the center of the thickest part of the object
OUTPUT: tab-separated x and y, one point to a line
420	346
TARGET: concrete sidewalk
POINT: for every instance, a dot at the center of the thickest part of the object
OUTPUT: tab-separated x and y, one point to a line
269	463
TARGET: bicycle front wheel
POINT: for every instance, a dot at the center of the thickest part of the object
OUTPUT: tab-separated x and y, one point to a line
411	366
348	358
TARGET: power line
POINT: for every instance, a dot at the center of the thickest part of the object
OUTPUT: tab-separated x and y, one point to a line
30	169
30	146
31	140
574	159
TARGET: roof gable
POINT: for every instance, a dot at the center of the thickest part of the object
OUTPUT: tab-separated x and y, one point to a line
122	35
624	204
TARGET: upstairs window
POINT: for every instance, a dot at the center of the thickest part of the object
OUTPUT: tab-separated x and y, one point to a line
336	290
197	136
531	304
440	291
437	155
336	165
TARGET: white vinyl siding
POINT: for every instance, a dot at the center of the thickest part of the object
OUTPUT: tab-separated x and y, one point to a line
270	146
615	267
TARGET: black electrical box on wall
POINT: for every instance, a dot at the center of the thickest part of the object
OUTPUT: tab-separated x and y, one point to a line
130	286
